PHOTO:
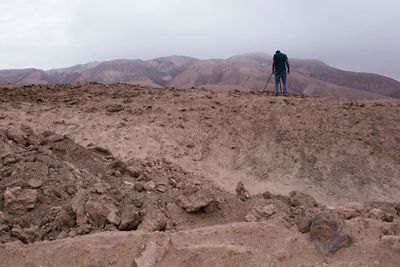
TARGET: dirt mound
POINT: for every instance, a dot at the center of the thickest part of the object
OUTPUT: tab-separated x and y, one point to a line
53	188
335	150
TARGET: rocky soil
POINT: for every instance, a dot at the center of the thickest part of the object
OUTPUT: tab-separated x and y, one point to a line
69	197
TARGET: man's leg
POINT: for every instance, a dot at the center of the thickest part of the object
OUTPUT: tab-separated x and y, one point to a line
277	78
284	84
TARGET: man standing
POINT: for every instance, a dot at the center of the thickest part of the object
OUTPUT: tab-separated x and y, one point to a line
279	65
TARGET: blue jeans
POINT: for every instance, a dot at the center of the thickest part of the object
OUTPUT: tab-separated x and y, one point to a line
281	75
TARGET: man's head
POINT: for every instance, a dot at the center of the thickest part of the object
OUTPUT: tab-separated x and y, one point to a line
278	51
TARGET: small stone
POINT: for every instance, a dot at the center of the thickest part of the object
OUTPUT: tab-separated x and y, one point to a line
84	229
161	188
100	189
62	235
72	233
180	186
304	224
102	150
115	108
376	214
251	217
149	186
267	195
172	182
113	218
35	182
16	137
388	218
138	187
132	172
349	213
55	138
138	202
266	211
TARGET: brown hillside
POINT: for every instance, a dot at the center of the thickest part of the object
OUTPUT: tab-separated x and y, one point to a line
25	76
244	72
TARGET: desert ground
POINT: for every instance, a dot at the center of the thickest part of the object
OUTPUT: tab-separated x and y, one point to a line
130	175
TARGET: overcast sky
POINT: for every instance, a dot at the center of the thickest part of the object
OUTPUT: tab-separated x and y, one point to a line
360	35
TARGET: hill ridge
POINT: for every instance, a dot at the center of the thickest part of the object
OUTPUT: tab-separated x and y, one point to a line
247	71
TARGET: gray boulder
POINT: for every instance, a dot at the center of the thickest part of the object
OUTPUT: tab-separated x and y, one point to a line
330	233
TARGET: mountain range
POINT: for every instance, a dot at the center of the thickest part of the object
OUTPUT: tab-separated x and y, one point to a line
242	72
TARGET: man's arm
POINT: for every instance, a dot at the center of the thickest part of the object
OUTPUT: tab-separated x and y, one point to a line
273	65
287	65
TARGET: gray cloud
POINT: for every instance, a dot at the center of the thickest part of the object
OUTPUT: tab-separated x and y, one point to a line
360	35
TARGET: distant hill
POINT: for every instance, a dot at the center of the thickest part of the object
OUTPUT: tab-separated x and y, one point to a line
26	76
244	72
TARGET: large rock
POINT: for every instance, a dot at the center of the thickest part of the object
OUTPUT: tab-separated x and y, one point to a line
3	222
78	206
130	219
351	210
18	200
154	221
260	213
100	213
201	199
16	136
299	199
152	252
330	233
24	235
